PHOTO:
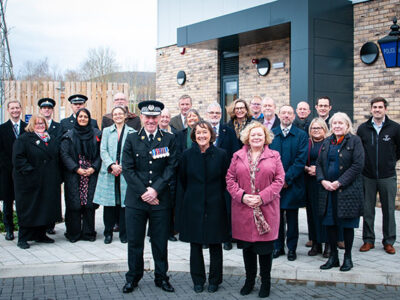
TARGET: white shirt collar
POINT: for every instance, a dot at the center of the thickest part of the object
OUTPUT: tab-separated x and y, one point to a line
148	133
18	123
289	127
183	121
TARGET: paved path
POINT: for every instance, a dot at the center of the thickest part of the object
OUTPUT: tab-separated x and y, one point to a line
62	257
108	286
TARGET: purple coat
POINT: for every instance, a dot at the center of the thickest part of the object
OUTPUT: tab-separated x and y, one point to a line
269	181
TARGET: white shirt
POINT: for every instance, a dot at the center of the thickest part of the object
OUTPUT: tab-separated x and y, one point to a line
183	121
148	134
18	126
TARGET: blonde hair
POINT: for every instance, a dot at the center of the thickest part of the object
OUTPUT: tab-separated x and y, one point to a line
31	125
345	118
245	134
231	108
13	101
320	122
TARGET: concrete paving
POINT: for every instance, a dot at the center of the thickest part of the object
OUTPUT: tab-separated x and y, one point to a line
63	258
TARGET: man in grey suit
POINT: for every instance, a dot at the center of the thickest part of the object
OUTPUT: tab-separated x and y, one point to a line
179	121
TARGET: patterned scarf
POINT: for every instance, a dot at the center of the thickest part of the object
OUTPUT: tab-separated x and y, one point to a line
238	127
45	137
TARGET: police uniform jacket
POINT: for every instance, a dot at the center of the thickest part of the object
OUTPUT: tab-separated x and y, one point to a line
142	170
68	123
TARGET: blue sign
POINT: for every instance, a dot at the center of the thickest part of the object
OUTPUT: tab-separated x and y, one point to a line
27	118
389	53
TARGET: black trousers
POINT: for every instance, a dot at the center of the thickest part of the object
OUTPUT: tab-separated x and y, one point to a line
250	265
136	220
114	215
8	214
26	234
80	223
292	232
197	268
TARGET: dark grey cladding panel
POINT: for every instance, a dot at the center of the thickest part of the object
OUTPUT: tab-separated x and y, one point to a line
333	48
333	83
333	30
333	65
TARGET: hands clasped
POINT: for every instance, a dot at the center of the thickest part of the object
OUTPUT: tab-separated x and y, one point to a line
252	201
330	186
150	196
85	172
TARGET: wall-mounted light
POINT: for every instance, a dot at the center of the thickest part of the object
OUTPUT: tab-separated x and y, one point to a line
390	46
263	66
254	61
369	53
181	77
182	50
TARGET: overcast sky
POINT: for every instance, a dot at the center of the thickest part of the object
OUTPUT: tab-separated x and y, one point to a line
64	30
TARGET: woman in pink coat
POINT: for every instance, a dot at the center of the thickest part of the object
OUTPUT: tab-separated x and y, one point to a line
254	180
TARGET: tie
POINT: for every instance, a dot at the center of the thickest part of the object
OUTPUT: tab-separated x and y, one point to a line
215	129
151	137
16	131
285	131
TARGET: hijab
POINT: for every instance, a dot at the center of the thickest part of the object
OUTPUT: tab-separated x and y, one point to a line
83	141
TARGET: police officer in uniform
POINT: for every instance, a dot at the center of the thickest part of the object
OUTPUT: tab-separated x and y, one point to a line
148	166
77	102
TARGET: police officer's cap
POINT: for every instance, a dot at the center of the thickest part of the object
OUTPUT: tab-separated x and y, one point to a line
77	99
46	102
151	107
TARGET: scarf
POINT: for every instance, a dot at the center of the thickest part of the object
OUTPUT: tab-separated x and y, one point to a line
83	143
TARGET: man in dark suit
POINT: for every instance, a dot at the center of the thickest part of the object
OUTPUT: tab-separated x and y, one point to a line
302	119
46	109
292	144
227	140
77	102
179	121
9	132
149	164
271	120
132	119
323	108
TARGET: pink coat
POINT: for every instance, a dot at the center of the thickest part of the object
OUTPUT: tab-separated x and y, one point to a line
269	181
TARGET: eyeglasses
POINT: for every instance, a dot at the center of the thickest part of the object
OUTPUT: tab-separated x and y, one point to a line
240	108
316	128
120	99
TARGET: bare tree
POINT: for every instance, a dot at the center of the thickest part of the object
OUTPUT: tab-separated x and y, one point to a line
73	75
99	64
35	70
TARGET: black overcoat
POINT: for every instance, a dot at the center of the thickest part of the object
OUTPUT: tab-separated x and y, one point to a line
350	196
71	164
202	212
7	139
37	181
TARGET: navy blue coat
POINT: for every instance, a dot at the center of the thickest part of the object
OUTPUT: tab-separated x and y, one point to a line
293	150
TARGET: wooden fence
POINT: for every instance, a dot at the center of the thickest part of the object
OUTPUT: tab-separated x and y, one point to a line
29	92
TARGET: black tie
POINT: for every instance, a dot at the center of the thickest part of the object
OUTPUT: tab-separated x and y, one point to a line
151	137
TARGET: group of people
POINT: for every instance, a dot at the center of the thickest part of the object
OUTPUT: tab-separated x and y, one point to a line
212	183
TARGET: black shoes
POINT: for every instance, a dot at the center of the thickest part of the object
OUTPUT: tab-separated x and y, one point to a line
278	252
264	290
23	245
172	238
315	250
198	288
327	250
9	236
212	288
228	246
291	256
164	285
45	240
129	287
88	238
333	262
248	287
124	241
347	264
108	239
51	231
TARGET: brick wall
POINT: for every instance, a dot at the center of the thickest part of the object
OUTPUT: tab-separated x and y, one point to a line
277	83
372	21
202	78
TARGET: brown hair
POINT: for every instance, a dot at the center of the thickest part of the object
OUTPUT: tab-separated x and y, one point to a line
379	99
203	124
231	108
31	125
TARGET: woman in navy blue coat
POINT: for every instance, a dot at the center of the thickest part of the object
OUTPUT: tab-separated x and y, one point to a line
341	196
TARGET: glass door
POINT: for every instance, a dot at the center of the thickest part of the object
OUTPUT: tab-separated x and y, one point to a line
230	92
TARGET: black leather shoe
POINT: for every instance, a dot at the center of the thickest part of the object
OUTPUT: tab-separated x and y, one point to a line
51	231
247	288
347	264
327	251
264	290
333	262
198	288
212	288
89	238
124	241
316	249
205	246
9	236
45	240
164	285
108	239
278	252
291	255
172	239
129	287
23	245
228	246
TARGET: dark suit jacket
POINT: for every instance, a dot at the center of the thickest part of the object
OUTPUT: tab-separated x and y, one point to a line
68	123
132	121
7	139
142	170
55	131
227	140
176	122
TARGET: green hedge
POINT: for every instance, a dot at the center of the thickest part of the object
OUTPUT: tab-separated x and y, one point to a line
2	229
